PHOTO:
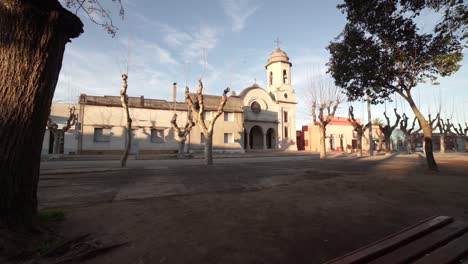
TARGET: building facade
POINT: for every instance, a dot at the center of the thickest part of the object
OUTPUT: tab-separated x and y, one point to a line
256	119
339	136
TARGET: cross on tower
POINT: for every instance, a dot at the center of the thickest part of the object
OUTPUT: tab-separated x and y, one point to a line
277	41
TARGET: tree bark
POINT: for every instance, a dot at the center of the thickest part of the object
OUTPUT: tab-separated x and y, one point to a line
387	145
182	134
33	35
181	153
409	145
208	149
323	150
57	137
128	120
442	143
359	144
427	132
369	117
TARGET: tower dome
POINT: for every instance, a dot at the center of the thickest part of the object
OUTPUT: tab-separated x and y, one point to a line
278	56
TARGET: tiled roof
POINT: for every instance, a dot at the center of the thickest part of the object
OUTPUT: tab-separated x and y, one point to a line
233	104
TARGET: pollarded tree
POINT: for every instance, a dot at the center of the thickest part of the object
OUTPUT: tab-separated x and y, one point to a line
381	51
444	130
59	134
387	129
378	122
409	132
462	132
33	35
182	133
197	105
358	127
128	121
325	101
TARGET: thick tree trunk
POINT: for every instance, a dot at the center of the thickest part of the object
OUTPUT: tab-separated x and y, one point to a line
427	132
56	148
181	151
33	35
128	144
323	148
128	120
409	146
371	140
442	143
387	145
379	146
359	144
208	150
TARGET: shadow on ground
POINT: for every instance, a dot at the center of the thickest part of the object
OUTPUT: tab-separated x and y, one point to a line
298	210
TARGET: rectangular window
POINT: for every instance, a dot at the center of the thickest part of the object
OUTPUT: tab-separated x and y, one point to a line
285	116
206	116
102	134
228	138
286	132
228	117
202	138
157	135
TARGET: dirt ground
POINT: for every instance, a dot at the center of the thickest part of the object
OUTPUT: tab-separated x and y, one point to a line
285	210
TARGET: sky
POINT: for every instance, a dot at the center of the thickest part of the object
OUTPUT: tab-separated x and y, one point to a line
226	43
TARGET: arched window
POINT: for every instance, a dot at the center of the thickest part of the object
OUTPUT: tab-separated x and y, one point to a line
271	78
255	107
285	76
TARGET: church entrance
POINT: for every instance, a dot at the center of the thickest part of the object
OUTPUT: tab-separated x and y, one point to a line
256	138
270	138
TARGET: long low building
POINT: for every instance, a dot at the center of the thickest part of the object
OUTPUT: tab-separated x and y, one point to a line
256	119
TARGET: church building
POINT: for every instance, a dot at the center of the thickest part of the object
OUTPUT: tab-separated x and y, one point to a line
256	119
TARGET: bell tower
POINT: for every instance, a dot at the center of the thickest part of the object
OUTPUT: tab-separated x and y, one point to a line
278	71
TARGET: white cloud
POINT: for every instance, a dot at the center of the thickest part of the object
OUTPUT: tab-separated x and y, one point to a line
97	73
201	42
238	11
190	46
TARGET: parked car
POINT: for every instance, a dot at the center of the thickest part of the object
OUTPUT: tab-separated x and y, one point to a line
419	148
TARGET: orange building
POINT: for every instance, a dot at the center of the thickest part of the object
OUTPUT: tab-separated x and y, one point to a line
340	136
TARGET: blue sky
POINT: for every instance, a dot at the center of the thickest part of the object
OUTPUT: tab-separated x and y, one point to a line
227	42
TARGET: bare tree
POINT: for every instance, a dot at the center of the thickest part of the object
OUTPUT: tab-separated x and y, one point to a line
410	133
325	101
378	122
432	124
444	129
60	133
197	105
128	124
388	129
462	132
95	11
358	127
182	133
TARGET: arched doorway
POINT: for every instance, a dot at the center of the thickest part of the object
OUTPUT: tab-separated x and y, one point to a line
256	138
270	138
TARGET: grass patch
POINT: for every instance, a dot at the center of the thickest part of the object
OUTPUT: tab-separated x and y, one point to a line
51	215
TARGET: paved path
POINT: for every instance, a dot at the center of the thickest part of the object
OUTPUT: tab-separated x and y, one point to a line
78	166
71	183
